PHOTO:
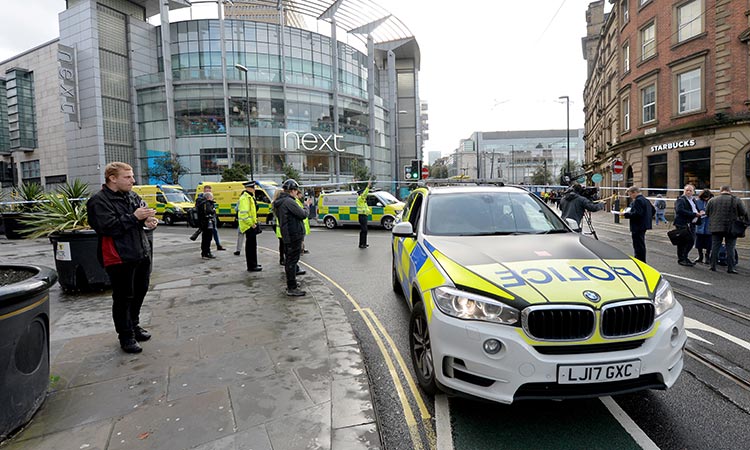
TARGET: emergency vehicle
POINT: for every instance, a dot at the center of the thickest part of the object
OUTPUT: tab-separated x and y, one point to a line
508	303
169	200
338	208
227	194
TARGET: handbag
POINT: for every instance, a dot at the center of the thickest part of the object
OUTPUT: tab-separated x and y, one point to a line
737	227
679	236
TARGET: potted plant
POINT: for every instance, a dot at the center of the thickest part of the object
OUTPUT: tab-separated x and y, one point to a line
24	338
62	217
26	199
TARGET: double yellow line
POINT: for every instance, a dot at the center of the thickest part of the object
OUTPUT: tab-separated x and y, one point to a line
377	330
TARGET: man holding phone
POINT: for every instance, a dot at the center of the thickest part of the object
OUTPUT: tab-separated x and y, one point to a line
118	215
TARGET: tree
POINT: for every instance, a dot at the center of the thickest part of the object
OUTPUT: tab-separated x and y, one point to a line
541	175
290	172
361	171
238	172
438	171
167	169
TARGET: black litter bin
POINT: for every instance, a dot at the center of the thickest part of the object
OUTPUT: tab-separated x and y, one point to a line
24	343
76	261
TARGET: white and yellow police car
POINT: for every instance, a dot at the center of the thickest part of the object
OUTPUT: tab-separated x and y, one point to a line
508	303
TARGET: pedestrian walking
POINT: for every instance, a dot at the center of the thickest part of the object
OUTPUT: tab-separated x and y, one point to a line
290	216
686	215
119	216
639	213
207	221
248	223
363	214
723	210
215	230
661	209
702	233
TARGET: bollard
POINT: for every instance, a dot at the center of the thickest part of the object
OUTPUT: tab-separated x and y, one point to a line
616	207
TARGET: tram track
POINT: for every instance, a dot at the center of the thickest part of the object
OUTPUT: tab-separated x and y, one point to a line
731	311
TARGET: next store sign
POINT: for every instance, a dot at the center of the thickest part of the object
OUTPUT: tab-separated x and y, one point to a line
312	142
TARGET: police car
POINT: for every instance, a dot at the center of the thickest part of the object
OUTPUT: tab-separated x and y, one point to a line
508	303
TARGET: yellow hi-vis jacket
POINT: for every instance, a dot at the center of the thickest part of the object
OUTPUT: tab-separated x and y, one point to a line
362	207
246	214
306	221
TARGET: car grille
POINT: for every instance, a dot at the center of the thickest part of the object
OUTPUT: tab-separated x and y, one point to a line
558	322
627	318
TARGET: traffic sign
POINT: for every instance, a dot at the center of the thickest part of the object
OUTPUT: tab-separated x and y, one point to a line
596	178
425	172
617	166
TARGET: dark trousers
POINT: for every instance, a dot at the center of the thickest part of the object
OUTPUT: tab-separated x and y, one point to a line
639	244
251	248
730	242
282	251
206	235
292	252
684	249
129	286
362	229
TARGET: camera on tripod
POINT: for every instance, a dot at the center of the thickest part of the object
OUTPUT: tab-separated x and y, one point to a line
591	193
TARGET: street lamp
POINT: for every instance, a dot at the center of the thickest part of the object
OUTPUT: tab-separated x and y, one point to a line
243	69
513	164
567	129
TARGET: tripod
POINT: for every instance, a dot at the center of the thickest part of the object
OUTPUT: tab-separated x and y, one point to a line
587	218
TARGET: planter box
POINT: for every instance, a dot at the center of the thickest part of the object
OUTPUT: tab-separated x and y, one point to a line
24	344
76	262
13	226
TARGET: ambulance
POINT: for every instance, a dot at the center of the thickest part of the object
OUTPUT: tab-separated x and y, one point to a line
338	208
169	200
508	303
227	194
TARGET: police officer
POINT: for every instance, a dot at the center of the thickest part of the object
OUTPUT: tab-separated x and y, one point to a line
363	214
248	220
291	222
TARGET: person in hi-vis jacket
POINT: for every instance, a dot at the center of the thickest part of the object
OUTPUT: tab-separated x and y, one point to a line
363	213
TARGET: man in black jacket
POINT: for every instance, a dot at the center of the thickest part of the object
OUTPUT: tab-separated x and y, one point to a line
207	223
724	209
291	216
640	215
574	205
118	216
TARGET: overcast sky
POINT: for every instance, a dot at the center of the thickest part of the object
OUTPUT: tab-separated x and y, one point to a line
487	65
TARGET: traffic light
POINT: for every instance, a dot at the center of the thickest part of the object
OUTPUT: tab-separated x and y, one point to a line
416	169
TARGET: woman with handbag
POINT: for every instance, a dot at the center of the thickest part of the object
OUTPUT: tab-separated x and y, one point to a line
686	216
725	210
702	234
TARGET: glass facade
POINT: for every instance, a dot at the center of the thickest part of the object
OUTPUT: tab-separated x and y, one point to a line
21	109
302	102
4	132
695	168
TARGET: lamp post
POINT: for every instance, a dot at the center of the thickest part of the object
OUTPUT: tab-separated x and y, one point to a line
244	70
567	130
512	164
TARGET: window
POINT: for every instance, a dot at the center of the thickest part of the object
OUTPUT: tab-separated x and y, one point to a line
648	41
695	168
626	57
31	171
213	161
626	114
689	91
689	22
625	12
657	174
643	2
648	100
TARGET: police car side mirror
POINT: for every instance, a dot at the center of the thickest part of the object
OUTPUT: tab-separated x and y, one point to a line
403	229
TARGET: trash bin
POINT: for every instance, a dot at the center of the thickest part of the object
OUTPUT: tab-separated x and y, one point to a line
616	207
24	342
76	261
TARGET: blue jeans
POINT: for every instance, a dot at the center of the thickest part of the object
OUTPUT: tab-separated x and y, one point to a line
660	216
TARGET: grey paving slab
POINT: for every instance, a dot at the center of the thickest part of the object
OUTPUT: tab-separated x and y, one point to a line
350	405
311	429
179	424
362	437
316	381
340	334
346	362
253	439
93	436
260	401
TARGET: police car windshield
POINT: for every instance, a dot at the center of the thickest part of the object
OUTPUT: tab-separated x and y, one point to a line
175	195
386	197
489	213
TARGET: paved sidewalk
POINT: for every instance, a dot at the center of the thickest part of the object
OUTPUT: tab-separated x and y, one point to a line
233	362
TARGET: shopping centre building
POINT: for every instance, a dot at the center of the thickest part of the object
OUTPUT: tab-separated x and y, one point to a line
668	93
322	86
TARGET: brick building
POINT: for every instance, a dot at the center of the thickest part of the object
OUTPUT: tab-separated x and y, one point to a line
667	92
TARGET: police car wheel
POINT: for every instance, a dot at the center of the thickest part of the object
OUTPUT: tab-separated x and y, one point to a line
421	350
387	223
329	222
168	219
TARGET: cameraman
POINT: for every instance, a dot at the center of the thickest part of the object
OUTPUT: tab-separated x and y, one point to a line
574	203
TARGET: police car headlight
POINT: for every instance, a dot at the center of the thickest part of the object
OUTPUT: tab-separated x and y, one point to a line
469	306
664	297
